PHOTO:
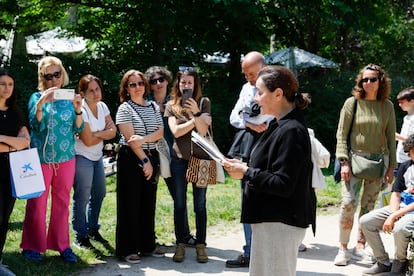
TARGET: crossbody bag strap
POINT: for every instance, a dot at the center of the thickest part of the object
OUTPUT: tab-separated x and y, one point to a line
142	119
210	127
348	137
383	127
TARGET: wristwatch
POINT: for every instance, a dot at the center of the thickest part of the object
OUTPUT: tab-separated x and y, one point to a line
342	161
145	160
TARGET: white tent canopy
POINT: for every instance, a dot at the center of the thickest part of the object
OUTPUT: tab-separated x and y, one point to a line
295	58
54	41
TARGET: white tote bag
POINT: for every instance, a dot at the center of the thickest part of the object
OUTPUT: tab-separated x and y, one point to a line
26	174
165	158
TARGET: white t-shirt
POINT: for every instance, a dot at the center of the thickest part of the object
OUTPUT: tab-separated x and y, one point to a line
406	130
94	152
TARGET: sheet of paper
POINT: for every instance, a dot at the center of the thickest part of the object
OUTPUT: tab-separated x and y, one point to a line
205	145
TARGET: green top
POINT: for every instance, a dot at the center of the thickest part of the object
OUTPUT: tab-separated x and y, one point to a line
366	135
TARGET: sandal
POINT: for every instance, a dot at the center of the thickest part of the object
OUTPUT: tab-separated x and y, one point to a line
133	259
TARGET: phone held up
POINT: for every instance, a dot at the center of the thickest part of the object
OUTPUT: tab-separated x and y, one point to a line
64	94
187	93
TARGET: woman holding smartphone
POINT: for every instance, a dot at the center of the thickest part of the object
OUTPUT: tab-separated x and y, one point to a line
54	125
185	115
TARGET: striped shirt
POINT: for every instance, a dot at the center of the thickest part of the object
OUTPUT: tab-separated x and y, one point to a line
144	119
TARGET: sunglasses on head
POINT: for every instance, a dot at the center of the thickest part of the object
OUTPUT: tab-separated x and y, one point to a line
374	79
135	84
186	68
155	81
50	77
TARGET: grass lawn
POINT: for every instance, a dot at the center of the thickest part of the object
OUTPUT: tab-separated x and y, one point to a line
223	206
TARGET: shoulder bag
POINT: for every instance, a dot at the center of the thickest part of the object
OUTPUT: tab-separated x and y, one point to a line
203	171
369	168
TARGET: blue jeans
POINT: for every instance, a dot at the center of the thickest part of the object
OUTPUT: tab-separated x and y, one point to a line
89	191
178	171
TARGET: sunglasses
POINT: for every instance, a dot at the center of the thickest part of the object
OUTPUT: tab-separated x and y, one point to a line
364	80
186	68
50	77
135	84
155	81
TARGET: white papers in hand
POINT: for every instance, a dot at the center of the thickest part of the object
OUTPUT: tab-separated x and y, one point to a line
202	142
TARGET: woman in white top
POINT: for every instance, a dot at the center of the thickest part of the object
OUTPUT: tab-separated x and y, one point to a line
89	186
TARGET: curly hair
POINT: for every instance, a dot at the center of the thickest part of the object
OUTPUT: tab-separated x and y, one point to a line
409	143
384	88
153	70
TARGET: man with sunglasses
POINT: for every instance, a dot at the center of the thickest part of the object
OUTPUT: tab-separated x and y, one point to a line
246	117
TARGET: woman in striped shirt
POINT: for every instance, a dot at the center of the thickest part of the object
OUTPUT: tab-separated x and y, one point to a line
141	126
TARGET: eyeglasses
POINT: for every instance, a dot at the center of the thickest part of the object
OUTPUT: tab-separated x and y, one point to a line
364	80
155	81
186	68
50	77
135	84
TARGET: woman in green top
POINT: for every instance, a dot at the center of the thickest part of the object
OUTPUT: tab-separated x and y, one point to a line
371	129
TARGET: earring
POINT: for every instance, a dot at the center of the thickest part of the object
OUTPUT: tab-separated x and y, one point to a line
127	94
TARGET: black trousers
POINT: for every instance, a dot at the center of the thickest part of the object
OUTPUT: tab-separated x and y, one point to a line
6	199
136	200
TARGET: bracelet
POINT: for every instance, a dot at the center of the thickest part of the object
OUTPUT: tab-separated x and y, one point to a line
39	110
198	114
80	113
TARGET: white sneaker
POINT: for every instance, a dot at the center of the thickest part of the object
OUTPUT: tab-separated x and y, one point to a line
358	254
363	254
343	257
4	271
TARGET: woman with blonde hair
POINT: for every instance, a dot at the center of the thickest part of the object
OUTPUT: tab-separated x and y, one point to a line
54	125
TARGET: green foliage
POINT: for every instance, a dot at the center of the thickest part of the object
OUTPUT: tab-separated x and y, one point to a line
124	35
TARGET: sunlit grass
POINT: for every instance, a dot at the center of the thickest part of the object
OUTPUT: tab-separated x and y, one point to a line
223	207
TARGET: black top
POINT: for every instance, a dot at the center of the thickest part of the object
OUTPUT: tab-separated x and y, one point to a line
11	121
404	178
279	178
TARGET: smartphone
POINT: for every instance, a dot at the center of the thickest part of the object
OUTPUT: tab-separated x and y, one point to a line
64	94
187	93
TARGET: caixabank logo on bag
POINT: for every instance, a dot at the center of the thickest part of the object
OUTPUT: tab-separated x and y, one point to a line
27	171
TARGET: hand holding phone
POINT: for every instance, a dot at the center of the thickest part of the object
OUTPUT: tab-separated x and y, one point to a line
187	93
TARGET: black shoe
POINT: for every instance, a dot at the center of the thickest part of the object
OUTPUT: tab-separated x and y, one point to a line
241	261
190	241
376	269
96	236
83	243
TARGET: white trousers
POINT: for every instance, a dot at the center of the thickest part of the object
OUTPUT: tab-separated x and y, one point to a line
275	249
